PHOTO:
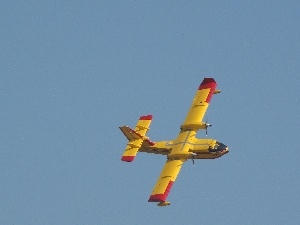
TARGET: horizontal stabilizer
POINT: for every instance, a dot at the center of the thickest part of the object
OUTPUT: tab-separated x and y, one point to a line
136	137
143	124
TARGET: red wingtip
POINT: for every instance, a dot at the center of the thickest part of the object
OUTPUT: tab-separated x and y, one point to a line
208	80
147	117
127	158
161	197
208	83
157	198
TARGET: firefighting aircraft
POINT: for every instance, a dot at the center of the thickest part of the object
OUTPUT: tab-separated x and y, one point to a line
185	146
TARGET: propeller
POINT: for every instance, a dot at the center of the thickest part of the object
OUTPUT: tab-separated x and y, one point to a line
206	126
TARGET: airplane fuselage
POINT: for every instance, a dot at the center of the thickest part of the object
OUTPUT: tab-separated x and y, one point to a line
187	146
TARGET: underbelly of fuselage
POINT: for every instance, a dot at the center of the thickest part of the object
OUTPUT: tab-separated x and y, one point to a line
198	155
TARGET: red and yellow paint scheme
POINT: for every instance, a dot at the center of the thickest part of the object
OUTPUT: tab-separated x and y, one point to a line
185	146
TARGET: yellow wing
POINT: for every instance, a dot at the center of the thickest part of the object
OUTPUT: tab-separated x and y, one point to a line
199	105
166	179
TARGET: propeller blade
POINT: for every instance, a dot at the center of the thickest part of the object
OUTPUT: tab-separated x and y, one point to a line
193	158
206	126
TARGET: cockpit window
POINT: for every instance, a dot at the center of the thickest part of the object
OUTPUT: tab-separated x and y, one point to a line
219	147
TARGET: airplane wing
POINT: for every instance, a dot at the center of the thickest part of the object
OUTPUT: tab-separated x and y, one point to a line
200	104
165	181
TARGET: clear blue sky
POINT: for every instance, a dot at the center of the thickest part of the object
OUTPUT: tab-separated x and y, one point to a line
71	72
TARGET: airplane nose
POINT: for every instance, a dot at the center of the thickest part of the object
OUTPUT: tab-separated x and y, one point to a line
222	147
219	148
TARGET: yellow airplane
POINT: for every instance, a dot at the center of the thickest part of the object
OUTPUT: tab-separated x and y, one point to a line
185	146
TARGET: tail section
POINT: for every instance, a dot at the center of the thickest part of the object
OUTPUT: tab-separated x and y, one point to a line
135	137
135	142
